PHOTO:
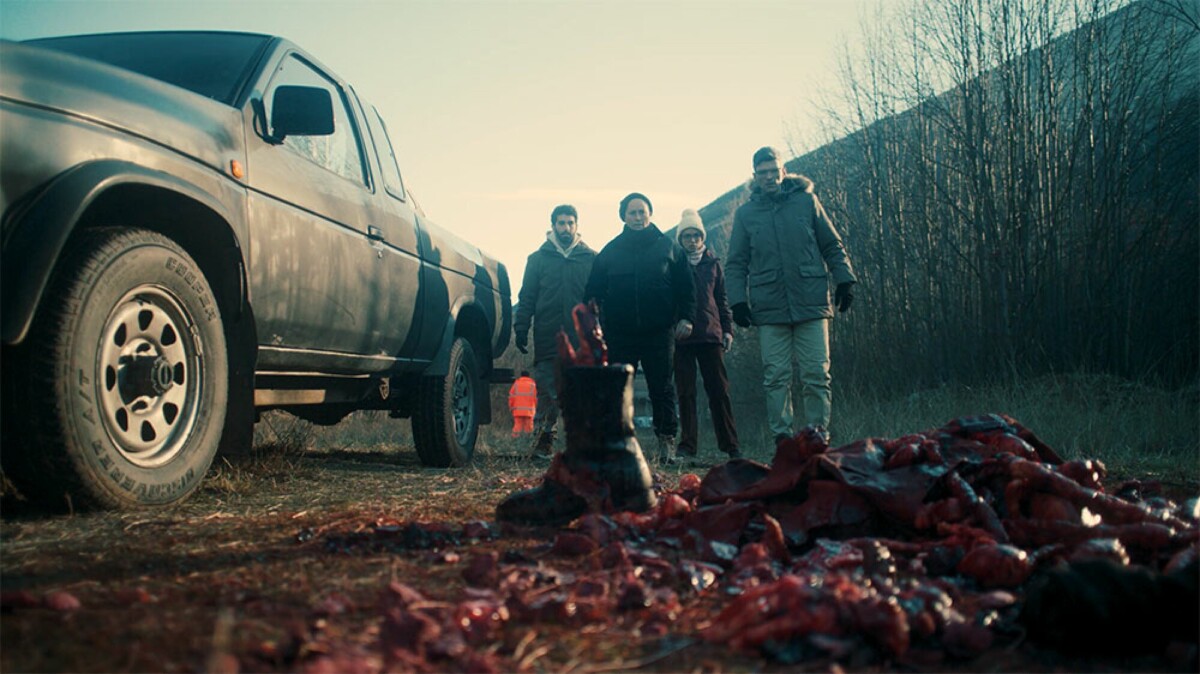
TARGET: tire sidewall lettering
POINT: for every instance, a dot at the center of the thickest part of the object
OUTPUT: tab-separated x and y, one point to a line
194	280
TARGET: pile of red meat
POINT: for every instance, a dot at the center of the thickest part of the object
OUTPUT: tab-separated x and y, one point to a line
935	534
905	551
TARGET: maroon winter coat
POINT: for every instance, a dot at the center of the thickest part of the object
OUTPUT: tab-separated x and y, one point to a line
712	318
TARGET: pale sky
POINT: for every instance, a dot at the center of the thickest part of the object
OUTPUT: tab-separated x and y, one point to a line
501	110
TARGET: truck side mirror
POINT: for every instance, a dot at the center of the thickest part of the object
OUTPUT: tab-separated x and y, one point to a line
301	111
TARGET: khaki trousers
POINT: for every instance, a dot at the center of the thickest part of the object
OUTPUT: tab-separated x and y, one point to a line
547	396
807	346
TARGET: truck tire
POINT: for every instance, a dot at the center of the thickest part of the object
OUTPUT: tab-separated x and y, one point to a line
445	424
124	376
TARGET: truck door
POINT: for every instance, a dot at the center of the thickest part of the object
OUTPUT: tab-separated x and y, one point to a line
313	261
396	312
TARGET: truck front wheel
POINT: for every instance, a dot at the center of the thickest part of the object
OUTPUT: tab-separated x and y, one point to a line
446	422
123	378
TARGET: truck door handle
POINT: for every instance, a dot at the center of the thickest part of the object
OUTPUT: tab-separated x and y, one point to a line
374	233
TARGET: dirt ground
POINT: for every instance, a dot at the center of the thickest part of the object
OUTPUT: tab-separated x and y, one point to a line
283	565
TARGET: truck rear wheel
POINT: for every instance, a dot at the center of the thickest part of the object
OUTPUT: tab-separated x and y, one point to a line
123	376
446	422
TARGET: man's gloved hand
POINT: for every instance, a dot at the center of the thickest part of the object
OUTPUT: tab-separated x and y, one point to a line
741	314
521	340
726	342
843	296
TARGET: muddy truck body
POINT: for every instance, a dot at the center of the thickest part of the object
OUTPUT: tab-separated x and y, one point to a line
198	227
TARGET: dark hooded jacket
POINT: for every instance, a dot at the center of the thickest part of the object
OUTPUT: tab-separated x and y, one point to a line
712	318
782	250
642	282
553	284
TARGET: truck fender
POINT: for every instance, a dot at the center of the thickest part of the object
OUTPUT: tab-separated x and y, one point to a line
48	221
440	364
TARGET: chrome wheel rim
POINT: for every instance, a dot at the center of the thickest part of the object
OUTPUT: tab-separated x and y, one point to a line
150	373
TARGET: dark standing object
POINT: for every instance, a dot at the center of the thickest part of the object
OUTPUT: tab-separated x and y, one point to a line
1098	606
602	469
598	411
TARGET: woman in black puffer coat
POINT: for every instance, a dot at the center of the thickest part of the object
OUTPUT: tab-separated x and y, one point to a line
643	285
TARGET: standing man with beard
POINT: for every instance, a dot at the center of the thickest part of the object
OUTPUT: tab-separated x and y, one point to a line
554	281
643	284
782	251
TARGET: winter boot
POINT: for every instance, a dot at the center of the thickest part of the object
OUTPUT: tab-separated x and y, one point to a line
602	468
543	447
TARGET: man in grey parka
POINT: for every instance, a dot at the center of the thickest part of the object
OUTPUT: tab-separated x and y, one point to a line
782	251
555	276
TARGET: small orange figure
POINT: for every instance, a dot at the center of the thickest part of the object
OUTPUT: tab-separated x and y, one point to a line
522	402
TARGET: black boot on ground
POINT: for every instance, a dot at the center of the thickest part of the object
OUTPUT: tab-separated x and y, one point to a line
543	447
602	468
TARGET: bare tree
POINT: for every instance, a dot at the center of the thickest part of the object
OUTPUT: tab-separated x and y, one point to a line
1017	184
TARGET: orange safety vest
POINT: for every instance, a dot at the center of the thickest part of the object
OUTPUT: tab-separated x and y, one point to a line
522	397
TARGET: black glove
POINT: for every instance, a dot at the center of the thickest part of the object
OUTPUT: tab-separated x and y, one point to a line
843	296
741	314
521	340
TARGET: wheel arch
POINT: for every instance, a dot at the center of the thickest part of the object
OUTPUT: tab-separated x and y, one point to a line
101	193
473	326
466	320
469	321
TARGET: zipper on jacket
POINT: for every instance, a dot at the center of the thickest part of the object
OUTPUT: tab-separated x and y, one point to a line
787	291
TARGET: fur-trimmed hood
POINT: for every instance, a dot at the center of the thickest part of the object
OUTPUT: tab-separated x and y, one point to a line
792	182
786	243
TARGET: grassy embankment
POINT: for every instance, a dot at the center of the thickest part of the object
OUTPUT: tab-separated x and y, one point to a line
1137	430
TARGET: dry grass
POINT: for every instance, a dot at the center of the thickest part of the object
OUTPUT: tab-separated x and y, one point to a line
1134	428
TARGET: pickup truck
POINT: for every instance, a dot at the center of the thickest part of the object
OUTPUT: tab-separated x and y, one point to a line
197	227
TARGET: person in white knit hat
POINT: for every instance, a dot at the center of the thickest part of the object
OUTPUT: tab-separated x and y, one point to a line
712	336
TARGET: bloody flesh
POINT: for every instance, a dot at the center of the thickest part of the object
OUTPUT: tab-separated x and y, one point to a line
885	545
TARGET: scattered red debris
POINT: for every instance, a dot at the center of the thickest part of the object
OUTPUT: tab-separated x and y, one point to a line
61	601
19	599
134	595
915	549
64	602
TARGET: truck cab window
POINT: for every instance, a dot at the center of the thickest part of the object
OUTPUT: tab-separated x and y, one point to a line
341	151
387	155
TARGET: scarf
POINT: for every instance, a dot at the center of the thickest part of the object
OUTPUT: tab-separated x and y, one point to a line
694	258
